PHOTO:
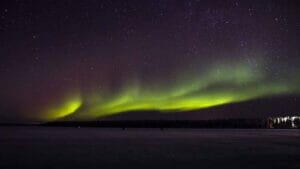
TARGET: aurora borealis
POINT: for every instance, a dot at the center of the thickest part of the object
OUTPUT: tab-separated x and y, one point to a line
88	60
228	84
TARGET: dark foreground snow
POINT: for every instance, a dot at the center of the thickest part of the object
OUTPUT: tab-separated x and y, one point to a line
85	148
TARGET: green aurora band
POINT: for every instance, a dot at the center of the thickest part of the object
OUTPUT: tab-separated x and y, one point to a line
221	84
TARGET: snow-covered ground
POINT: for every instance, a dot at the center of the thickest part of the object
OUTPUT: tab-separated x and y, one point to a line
85	148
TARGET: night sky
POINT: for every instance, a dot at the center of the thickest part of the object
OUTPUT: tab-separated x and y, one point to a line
90	59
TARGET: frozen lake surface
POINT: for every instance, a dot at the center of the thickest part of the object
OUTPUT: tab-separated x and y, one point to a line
87	148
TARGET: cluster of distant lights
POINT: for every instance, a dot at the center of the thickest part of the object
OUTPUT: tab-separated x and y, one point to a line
284	119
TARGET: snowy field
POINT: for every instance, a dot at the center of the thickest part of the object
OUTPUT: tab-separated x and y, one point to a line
87	148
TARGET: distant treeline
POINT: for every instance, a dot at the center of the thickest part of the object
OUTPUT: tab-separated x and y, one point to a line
228	123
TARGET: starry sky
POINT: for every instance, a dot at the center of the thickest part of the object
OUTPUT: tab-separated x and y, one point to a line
84	60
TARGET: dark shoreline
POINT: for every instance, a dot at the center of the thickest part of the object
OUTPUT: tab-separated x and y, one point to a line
231	123
162	124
